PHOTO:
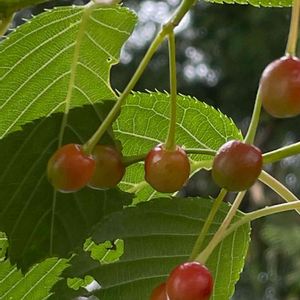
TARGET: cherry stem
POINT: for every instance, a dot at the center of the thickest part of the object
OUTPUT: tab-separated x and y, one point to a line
262	213
293	33
170	143
278	187
199	242
281	153
249	139
130	160
84	20
165	30
200	151
219	235
4	24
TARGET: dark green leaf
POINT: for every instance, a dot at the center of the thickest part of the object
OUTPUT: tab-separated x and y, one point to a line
157	236
38	221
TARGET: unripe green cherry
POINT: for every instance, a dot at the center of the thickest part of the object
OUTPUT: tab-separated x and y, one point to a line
69	169
109	169
236	166
167	170
280	87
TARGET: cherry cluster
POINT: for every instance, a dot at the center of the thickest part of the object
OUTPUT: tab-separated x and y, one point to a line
188	281
70	168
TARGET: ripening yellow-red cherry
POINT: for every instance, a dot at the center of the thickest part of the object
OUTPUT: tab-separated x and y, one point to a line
280	87
167	170
236	165
69	168
109	167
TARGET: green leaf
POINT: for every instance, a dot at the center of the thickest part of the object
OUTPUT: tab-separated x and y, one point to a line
56	60
144	122
35	284
157	236
38	221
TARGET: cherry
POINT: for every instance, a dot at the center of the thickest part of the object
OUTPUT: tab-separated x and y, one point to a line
69	169
280	87
159	293
109	167
189	281
166	170
236	166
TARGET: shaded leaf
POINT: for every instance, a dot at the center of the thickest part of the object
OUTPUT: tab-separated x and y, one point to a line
157	236
38	221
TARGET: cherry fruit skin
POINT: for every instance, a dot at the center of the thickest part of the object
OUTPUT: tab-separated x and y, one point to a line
189	281
236	166
109	167
280	87
167	170
69	169
159	293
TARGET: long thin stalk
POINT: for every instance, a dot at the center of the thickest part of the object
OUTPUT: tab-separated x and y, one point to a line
165	30
219	235
199	242
170	143
262	213
278	187
293	33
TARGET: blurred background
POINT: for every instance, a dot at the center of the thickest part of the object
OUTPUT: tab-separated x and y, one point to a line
221	52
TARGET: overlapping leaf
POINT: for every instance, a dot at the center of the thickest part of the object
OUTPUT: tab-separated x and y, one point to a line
46	64
38	221
157	236
144	122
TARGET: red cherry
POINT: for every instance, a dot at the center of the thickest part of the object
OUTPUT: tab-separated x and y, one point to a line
69	169
165	170
109	167
159	293
236	166
189	281
280	87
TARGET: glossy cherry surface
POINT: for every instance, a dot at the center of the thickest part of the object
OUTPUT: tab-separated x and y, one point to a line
280	87
189	281
109	167
69	169
159	293
236	166
165	170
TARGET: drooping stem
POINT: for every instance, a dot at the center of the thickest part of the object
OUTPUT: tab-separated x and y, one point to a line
4	24
199	242
165	30
293	33
278	187
281	153
170	143
254	120
84	20
130	160
262	213
219	235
